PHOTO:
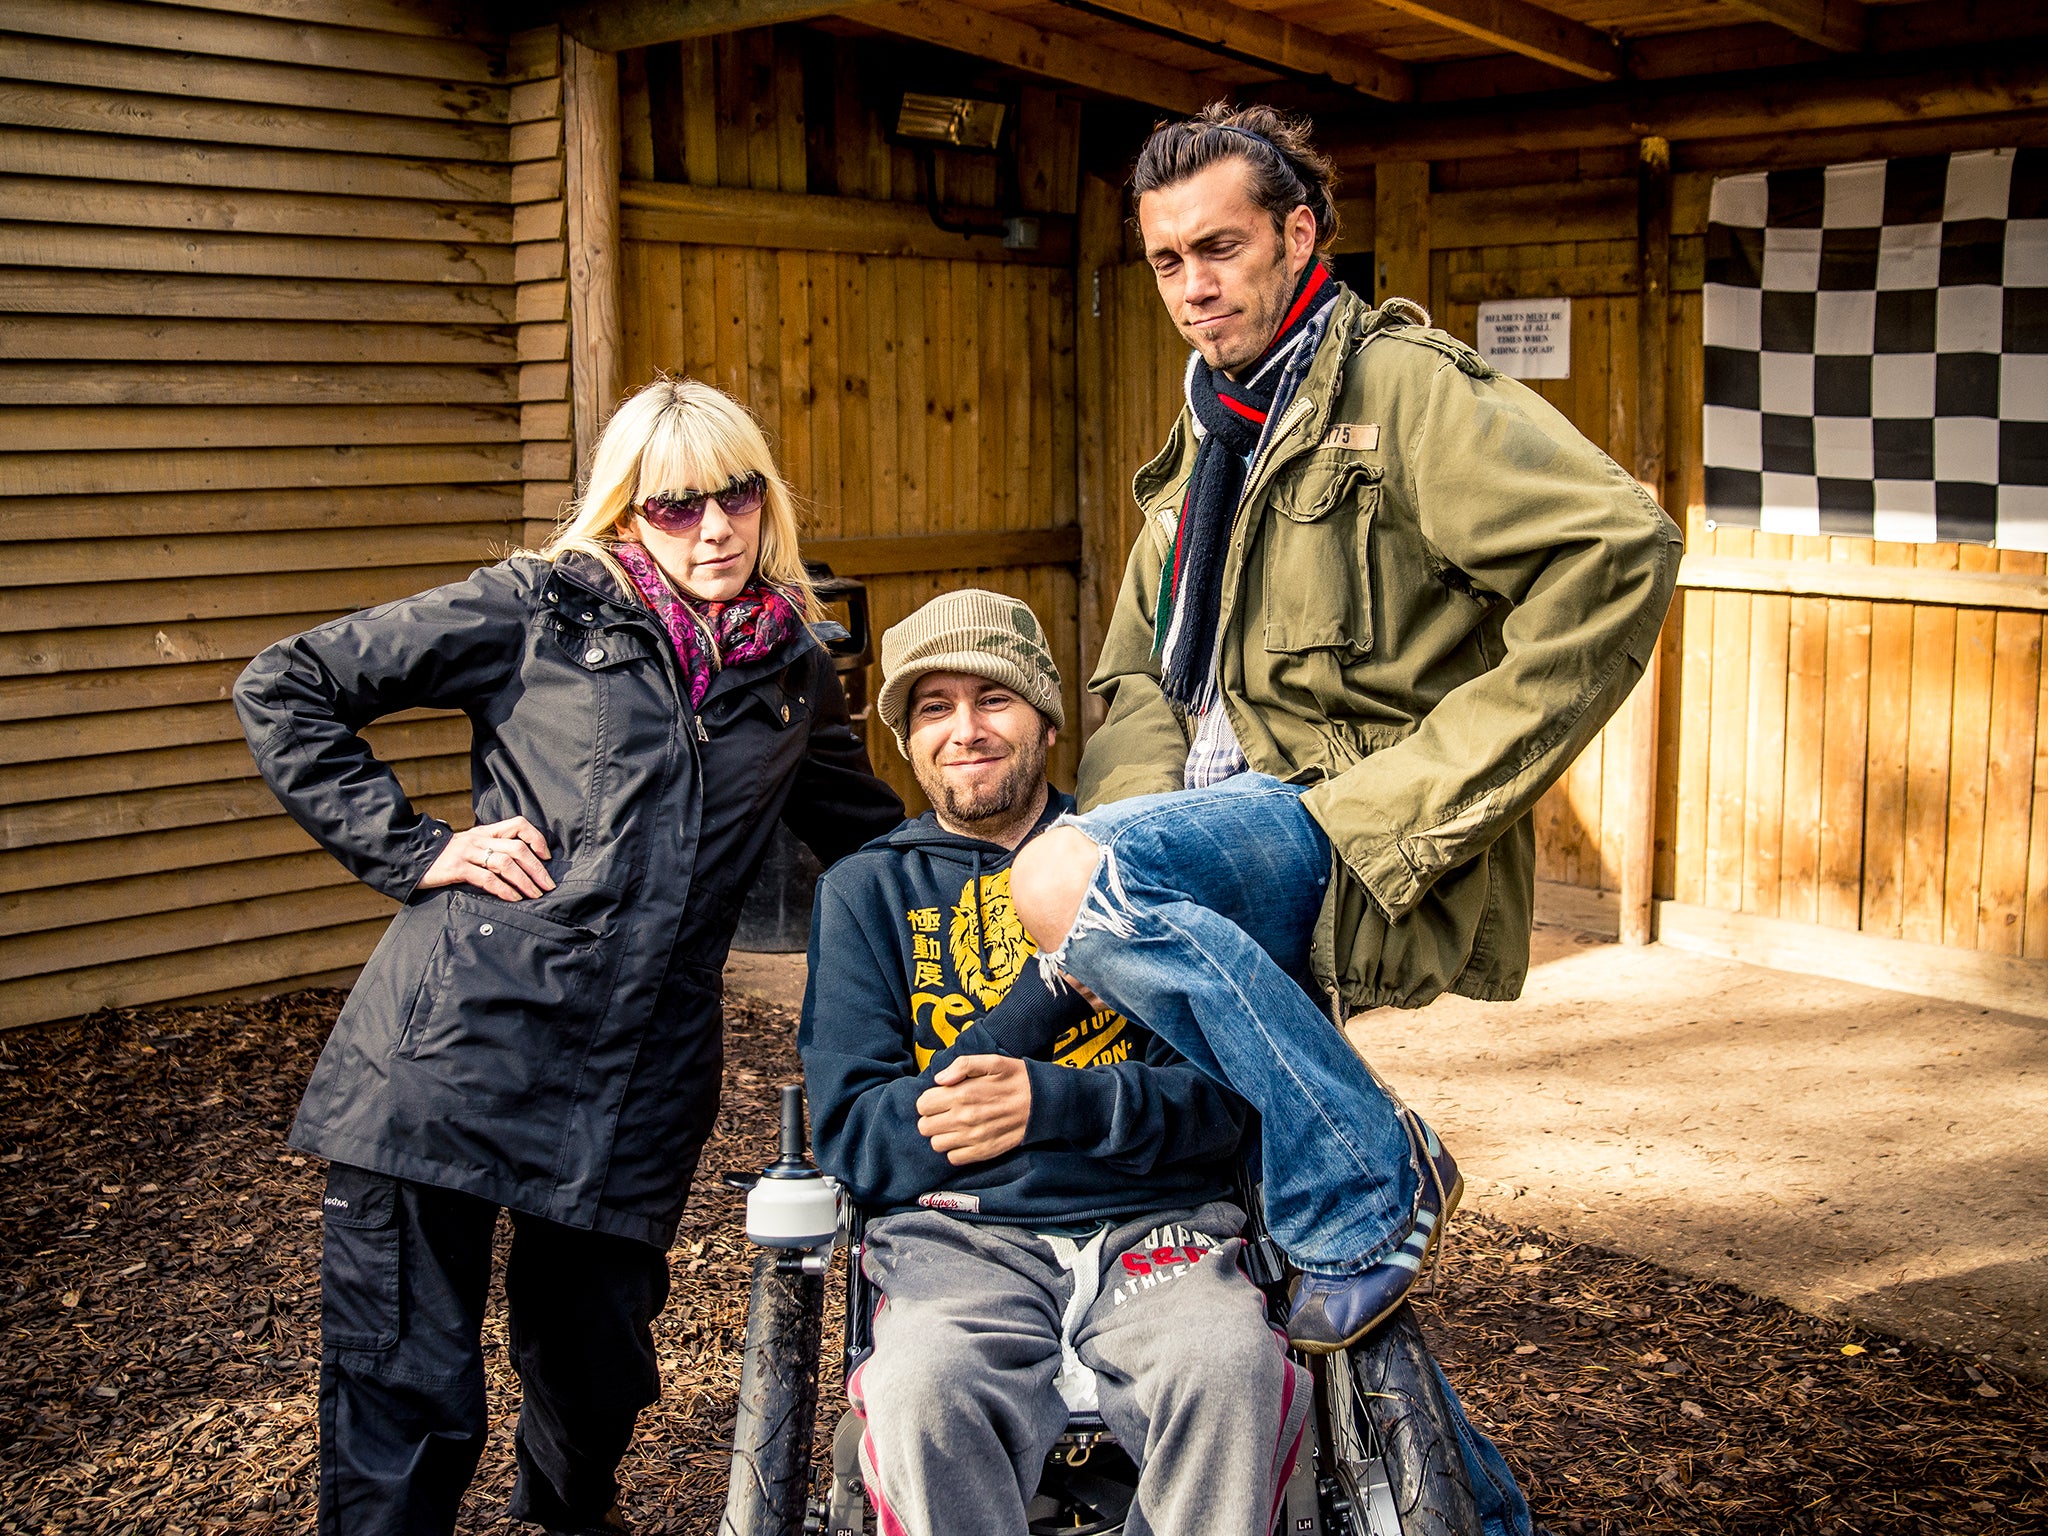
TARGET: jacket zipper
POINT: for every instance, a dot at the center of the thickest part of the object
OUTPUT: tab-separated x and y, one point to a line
1287	423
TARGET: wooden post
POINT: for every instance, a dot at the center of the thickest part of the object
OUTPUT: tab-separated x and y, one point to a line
590	127
1099	244
1653	256
1401	230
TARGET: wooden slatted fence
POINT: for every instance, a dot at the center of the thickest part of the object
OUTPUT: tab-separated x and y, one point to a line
291	325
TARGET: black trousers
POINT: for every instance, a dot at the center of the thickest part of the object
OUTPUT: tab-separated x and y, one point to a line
404	1272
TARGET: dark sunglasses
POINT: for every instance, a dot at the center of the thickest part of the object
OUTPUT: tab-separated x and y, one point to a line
678	514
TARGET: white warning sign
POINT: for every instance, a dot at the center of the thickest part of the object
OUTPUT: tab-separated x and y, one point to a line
1527	338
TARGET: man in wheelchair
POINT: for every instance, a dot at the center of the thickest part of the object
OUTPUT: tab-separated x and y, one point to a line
1055	1228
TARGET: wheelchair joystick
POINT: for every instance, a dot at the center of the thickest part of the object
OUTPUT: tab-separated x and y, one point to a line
792	1205
792	1163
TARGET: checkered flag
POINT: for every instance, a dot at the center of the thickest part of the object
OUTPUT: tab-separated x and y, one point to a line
1877	349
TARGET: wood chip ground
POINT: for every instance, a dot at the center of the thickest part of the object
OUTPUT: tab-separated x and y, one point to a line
159	1330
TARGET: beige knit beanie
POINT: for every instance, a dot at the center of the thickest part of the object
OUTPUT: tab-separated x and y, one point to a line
985	634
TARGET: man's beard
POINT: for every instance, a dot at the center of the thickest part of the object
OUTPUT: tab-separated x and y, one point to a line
987	802
1261	321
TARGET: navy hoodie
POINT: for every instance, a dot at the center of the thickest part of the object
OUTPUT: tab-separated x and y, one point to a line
915	951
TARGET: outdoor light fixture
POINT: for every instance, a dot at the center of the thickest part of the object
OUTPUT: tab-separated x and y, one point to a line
960	121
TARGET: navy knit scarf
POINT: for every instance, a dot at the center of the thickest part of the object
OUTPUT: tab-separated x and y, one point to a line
1230	417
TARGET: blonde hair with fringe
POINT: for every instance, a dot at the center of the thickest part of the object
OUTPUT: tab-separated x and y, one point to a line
679	435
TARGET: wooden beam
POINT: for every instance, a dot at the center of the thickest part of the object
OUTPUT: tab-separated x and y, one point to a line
1542	212
1639	807
2010	590
1973	976
798	221
1518	27
915	553
1783	102
1259	38
1840	25
617	24
590	125
1887	141
1653	263
612	25
1054	55
1401	230
1811	949
1095	389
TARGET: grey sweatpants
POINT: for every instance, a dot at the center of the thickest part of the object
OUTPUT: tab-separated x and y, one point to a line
983	1328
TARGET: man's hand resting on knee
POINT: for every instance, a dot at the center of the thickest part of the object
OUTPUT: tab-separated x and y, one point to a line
977	1110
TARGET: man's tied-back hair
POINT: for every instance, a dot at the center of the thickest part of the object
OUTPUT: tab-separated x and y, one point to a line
1287	173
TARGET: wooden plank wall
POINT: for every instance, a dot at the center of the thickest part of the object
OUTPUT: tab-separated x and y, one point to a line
287	334
904	396
259	368
1877	766
540	266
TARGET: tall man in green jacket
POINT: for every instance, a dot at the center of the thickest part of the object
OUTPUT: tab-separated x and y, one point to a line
1381	598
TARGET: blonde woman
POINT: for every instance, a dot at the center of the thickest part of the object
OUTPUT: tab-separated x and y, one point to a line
540	1029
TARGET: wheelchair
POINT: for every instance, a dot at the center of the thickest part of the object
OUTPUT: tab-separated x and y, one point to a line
1379	1454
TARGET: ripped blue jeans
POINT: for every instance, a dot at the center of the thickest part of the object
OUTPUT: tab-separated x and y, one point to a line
1197	922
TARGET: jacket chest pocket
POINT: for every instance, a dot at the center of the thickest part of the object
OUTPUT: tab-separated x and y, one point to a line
1318	584
592	721
770	708
601	651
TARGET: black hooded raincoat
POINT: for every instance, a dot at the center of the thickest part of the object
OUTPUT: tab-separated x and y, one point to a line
558	1055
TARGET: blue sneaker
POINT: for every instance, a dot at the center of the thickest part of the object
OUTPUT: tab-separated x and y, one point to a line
1333	1312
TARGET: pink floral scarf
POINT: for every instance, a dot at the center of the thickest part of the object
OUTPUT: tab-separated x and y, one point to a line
752	624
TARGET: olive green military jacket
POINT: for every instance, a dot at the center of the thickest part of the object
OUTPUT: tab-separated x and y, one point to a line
1437	591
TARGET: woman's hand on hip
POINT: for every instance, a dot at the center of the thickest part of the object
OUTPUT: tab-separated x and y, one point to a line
507	859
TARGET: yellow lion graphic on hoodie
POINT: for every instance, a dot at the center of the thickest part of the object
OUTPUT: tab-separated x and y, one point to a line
988	950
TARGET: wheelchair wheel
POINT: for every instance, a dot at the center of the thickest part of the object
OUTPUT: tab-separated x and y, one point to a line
771	1438
1393	1466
